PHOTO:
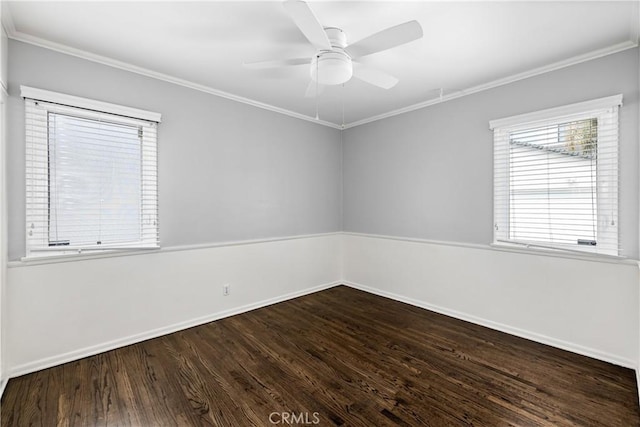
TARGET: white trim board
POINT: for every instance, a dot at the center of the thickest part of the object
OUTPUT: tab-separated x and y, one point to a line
543	339
38	365
504	248
37	41
28	262
489	247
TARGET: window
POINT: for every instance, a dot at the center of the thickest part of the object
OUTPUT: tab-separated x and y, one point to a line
556	178
91	175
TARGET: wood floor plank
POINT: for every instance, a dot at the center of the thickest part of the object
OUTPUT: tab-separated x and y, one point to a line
341	356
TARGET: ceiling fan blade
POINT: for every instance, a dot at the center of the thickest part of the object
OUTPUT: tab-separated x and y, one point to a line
277	63
304	18
373	76
386	39
311	89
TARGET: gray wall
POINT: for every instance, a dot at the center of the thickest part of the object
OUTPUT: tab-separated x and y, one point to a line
227	171
429	173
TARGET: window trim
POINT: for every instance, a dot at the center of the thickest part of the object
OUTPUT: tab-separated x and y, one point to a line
93	110
88	104
579	108
576	111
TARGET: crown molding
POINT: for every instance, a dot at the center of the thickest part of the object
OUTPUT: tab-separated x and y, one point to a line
37	41
503	81
7	19
634	26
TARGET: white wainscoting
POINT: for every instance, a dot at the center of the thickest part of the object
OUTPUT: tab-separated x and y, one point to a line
64	311
587	307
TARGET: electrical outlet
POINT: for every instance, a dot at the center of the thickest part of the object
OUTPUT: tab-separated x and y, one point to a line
226	289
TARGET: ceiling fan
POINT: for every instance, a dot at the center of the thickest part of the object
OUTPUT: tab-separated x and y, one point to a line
335	61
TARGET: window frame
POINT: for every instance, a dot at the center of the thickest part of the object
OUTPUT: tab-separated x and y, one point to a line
601	109
38	105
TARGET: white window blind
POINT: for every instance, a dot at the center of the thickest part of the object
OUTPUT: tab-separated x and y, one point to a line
556	178
91	180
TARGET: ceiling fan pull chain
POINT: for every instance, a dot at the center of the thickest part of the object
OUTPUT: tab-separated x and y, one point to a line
342	106
317	113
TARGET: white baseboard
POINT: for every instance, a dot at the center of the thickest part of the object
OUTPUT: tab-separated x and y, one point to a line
543	339
3	385
133	339
638	382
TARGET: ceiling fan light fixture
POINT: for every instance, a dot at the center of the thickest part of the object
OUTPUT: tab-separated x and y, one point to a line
331	68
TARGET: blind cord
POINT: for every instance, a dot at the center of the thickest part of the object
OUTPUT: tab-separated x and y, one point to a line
52	153
594	188
547	158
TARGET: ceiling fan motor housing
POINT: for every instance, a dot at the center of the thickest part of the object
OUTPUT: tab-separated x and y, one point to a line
332	67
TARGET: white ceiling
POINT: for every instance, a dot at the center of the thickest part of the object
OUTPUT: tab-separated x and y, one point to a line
466	45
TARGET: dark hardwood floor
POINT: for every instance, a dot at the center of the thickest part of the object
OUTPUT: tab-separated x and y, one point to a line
337	357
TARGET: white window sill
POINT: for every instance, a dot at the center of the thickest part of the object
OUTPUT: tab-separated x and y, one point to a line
559	253
49	258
